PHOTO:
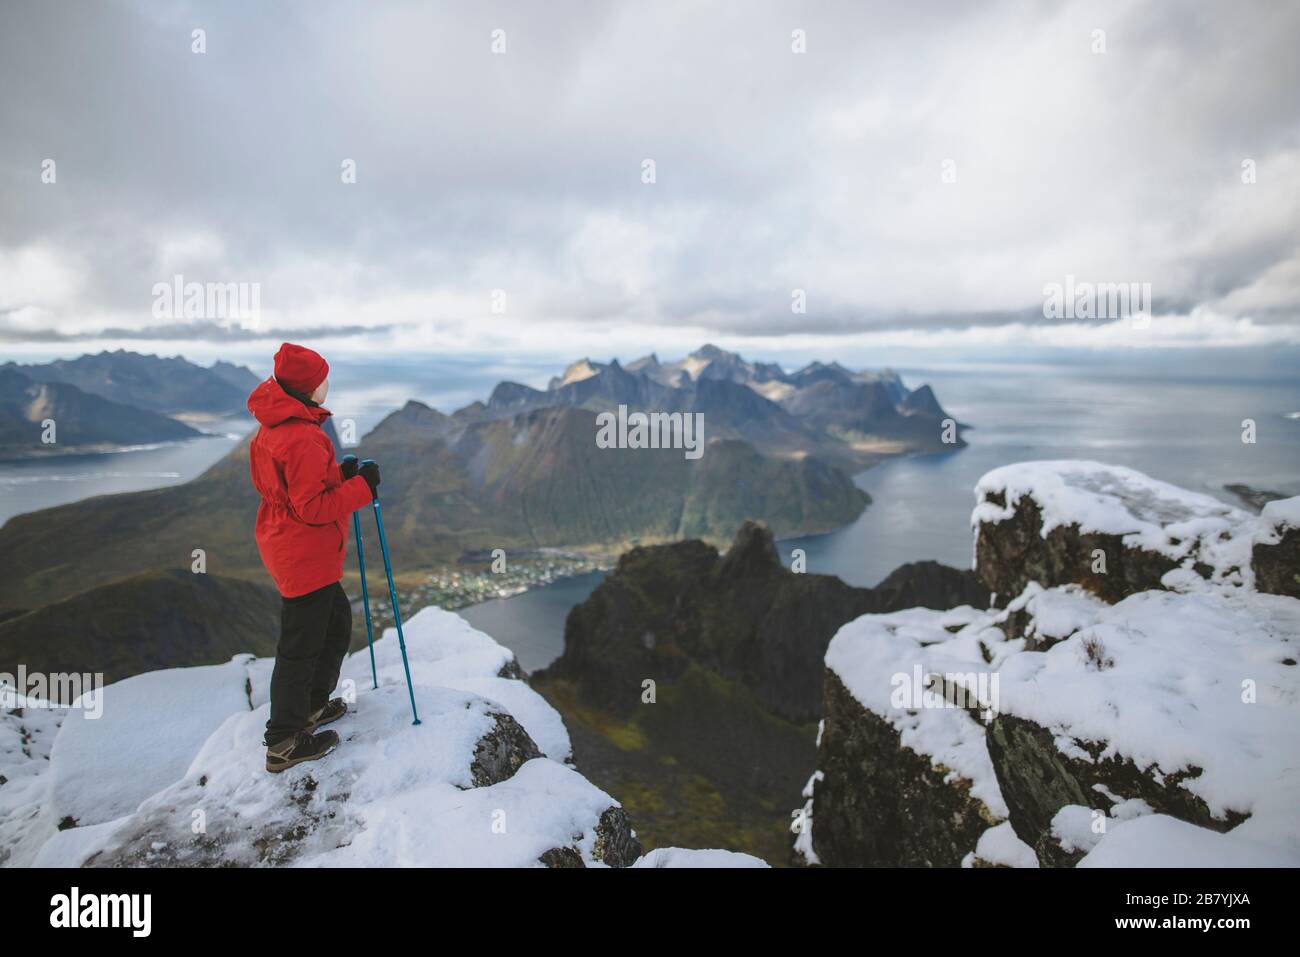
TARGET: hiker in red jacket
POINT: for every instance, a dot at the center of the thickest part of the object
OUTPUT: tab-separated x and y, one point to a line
302	535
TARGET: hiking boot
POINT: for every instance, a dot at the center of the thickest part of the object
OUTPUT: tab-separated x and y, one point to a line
303	746
334	709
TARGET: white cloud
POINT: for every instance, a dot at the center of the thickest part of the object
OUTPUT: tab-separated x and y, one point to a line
776	171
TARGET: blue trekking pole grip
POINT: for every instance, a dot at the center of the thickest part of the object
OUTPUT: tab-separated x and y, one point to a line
365	592
392	596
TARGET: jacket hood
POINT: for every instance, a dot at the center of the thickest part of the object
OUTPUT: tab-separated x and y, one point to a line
272	406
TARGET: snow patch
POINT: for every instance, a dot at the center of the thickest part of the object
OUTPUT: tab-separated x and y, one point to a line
1158	840
151	728
1000	847
707	857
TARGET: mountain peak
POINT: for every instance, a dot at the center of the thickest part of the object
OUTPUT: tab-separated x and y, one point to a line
584	368
645	362
710	351
752	552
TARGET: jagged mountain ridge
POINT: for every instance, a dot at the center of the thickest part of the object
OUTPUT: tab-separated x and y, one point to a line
742	614
734	645
537	478
848	418
166	385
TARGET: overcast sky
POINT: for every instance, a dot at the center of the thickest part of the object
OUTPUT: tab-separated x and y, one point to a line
522	172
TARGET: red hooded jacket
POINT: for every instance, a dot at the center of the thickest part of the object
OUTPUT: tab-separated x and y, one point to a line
302	531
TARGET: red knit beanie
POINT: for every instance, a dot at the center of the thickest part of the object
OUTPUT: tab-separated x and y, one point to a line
299	368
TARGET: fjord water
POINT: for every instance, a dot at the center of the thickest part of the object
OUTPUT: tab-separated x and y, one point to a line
32	484
1182	429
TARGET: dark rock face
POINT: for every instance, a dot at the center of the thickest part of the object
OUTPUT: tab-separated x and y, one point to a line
929	584
512	669
1277	567
734	645
1254	498
1037	780
616	844
562	857
742	615
501	752
1012	553
882	805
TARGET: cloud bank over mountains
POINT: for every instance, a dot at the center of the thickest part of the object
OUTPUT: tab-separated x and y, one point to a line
919	174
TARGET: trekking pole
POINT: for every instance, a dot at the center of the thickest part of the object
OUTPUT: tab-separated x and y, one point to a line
392	596
365	592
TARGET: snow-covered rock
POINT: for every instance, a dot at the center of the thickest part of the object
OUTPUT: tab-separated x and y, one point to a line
173	773
1113	530
1048	730
1275	550
904	774
1182	700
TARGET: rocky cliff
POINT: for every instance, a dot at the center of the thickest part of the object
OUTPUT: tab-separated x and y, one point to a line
742	615
1136	700
692	681
1275	549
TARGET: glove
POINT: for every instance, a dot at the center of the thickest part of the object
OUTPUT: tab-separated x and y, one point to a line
348	467
370	472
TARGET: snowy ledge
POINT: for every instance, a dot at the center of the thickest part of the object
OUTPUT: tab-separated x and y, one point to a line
885	662
1276	518
1144	513
1195	692
1179	701
173	773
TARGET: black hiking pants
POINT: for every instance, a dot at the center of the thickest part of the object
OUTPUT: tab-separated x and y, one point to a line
315	632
